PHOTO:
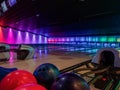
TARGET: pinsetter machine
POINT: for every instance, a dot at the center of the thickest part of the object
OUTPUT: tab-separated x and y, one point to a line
4	52
25	52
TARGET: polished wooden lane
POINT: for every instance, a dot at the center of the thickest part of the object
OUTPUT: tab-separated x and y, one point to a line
61	59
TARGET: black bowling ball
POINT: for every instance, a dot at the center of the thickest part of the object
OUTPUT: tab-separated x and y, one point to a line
70	81
46	74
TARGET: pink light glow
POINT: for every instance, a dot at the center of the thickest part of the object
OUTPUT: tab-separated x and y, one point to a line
52	40
55	39
49	40
10	30
63	39
10	38
13	58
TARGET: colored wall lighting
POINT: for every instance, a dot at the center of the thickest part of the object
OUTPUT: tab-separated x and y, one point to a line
63	39
111	39
67	39
27	38
10	38
40	39
19	37
45	41
118	39
90	39
1	35
82	38
72	39
77	38
103	39
33	39
95	39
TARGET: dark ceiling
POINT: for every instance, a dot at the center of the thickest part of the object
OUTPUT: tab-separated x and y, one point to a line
62	17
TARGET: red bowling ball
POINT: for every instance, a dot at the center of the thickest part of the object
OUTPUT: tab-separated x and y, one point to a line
31	87
16	79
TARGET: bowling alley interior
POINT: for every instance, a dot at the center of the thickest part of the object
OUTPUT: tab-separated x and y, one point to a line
59	44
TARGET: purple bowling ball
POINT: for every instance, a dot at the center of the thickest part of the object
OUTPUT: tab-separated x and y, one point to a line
70	81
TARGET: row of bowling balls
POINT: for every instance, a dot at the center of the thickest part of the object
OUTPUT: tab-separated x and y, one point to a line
45	77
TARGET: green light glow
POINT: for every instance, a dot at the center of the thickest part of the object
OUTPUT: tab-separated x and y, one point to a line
103	39
111	39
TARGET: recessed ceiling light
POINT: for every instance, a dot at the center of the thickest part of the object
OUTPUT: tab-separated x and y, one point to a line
37	15
82	0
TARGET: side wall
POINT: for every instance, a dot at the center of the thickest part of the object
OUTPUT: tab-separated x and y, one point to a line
10	36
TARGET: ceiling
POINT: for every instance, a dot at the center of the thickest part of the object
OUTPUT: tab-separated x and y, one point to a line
62	17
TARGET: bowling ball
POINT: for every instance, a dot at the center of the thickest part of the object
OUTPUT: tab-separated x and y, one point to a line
70	81
17	78
31	87
5	71
46	74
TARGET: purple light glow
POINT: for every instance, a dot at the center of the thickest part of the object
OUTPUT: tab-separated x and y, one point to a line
68	39
40	39
71	39
27	39
46	51
59	39
40	52
63	39
33	39
19	37
77	38
82	39
45	39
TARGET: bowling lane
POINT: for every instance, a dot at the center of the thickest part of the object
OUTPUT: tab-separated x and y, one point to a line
59	56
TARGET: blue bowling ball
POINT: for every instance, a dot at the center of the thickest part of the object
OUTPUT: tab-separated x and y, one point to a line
46	74
70	81
5	71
